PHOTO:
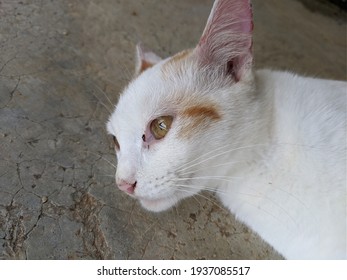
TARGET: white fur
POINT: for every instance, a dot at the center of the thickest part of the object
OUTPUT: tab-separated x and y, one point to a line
297	186
277	156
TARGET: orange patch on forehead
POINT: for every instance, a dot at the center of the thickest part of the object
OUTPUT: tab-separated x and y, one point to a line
202	112
199	117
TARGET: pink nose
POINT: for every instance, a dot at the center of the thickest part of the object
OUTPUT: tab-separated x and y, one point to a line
127	187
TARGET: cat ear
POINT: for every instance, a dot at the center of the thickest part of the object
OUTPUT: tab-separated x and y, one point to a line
227	39
144	59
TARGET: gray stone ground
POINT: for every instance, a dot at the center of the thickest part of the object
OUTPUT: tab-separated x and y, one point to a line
60	64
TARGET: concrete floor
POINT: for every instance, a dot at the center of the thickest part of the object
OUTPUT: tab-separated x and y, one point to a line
60	64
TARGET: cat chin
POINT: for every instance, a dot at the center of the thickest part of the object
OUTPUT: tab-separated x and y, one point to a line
158	205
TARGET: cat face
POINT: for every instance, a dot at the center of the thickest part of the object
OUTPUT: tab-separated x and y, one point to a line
174	111
161	123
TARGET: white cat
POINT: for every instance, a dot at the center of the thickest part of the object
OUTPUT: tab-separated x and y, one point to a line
271	144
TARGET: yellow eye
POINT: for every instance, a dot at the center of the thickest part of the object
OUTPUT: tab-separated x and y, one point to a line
161	126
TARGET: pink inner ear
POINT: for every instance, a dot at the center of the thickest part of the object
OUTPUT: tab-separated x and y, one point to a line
227	38
144	59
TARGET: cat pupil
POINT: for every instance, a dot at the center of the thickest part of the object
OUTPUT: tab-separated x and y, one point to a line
162	125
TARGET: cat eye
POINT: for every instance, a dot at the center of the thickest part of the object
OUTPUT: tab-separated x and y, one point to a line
160	126
116	142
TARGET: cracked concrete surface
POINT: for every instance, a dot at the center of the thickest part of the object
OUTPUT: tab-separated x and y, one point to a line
62	65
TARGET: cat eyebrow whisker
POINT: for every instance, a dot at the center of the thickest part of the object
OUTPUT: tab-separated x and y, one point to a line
128	75
104	93
102	103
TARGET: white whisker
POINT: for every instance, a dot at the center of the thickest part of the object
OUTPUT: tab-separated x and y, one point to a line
220	178
199	187
206	154
202	159
109	162
101	157
210	166
106	175
104	93
219	154
259	196
102	103
200	195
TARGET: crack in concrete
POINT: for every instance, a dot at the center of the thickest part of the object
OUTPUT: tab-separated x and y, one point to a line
6	63
86	211
11	94
26	235
14	234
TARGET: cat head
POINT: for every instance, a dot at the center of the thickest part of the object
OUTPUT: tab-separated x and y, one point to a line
181	107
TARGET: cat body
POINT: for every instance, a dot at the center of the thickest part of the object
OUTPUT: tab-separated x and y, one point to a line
292	192
271	144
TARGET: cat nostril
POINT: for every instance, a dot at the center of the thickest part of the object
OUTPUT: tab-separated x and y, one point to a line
127	187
